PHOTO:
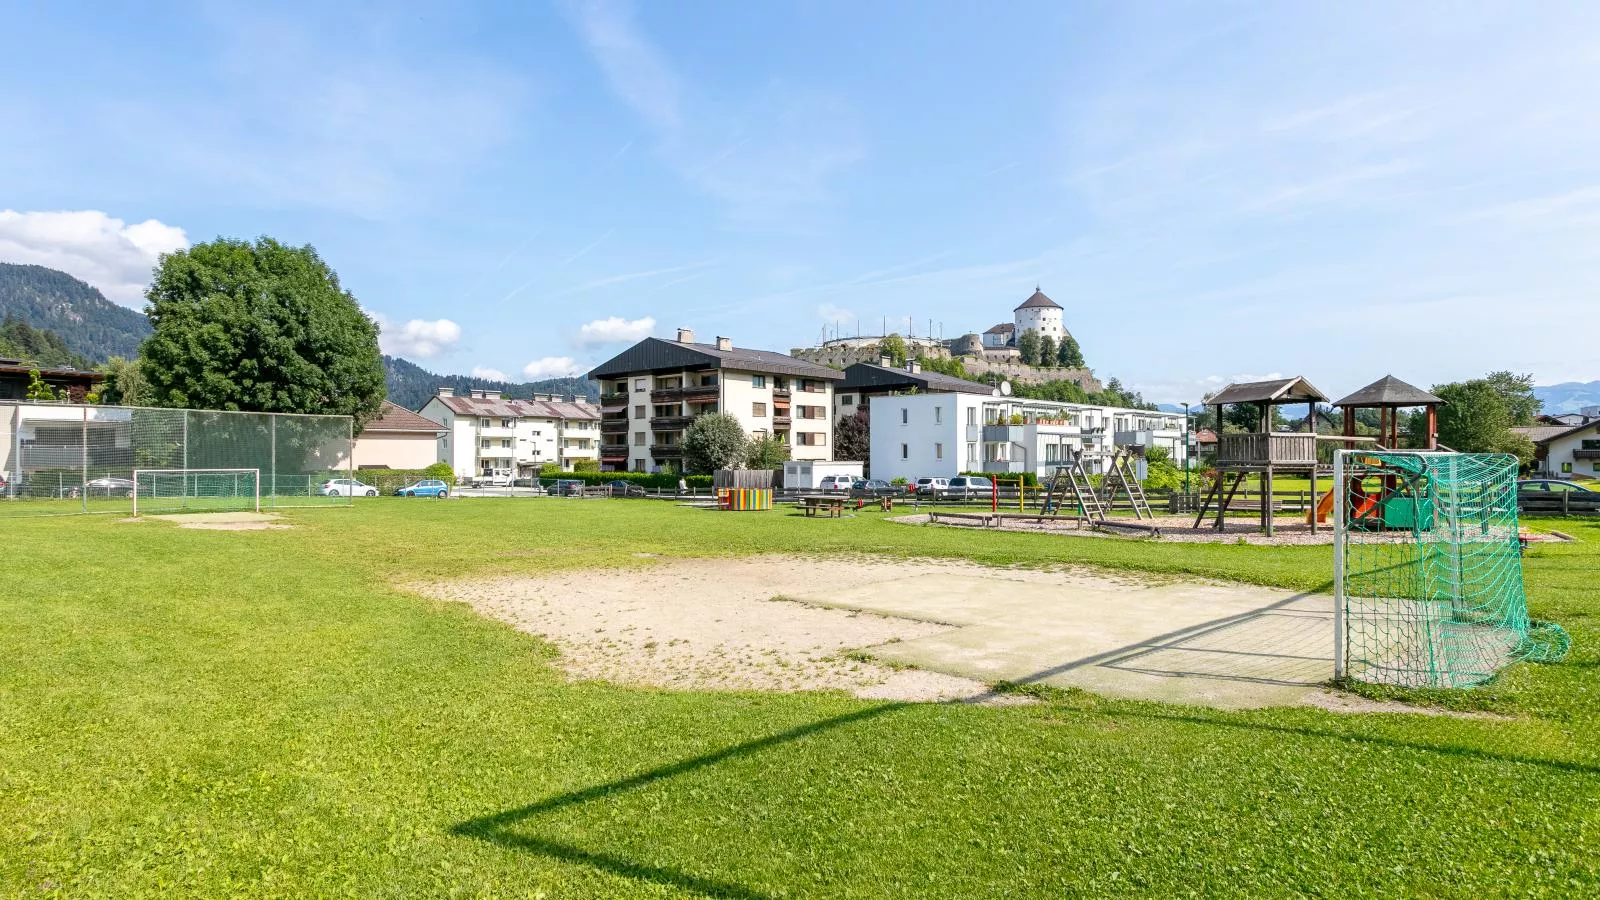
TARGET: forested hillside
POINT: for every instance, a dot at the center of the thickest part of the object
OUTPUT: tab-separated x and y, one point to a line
87	323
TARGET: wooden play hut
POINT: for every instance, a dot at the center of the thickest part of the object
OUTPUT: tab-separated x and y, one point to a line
1262	451
1388	395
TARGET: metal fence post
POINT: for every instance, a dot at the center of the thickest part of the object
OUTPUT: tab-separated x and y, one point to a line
272	462
84	491
1339	499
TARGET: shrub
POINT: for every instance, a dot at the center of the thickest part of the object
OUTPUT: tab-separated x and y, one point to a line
585	465
714	441
387	480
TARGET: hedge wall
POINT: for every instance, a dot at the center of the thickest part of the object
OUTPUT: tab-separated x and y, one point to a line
387	480
643	479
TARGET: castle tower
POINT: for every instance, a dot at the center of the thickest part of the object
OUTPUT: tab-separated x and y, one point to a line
1041	314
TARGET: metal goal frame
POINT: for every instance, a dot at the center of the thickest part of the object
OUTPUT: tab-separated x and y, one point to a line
256	481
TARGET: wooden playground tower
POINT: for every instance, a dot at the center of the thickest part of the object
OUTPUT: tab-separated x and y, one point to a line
1262	451
1388	395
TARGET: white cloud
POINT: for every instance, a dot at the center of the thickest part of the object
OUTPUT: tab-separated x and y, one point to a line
418	338
615	330
104	251
832	313
488	373
551	367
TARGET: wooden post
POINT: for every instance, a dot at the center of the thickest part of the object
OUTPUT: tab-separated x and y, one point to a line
1311	507
1266	499
1432	439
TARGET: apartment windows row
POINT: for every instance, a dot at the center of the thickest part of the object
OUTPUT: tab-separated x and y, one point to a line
496	443
811	439
938	451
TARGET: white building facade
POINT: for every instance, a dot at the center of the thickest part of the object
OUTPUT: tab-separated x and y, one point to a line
943	434
489	436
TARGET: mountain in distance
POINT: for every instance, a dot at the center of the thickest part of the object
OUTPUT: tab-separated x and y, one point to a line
87	323
410	385
1567	397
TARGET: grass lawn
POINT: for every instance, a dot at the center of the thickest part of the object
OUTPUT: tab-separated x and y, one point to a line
200	713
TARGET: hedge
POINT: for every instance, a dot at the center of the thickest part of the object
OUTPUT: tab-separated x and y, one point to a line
388	480
643	479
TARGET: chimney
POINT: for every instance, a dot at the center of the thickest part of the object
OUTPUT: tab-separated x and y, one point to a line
685	335
447	392
914	367
724	344
886	362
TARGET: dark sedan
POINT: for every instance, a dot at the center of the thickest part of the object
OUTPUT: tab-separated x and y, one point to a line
875	488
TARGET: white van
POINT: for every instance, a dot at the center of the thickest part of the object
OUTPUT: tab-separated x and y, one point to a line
837	484
931	487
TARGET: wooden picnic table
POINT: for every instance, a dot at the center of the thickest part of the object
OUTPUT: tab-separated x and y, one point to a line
833	506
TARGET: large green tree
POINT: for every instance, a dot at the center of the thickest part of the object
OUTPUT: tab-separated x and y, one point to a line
1047	351
125	384
894	347
1028	346
714	441
259	326
1069	354
852	437
1477	416
766	453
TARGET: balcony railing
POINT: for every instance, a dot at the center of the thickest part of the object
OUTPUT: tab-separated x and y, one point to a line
613	426
670	423
666	395
613	451
781	419
780	392
1290	449
614	397
666	450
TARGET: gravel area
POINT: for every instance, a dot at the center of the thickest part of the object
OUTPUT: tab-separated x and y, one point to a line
1289	530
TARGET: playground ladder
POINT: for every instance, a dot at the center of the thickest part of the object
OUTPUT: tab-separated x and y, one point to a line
1071	481
1121	477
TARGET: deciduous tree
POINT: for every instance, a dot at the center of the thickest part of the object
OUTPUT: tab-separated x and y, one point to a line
852	438
1047	351
894	347
767	453
714	441
1028	346
259	326
1069	354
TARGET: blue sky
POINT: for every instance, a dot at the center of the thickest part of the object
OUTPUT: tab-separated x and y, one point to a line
1211	190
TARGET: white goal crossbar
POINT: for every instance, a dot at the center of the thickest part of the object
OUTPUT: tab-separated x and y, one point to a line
186	475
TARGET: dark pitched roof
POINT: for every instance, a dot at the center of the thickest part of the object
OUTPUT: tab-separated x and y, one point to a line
1544	434
518	409
1286	390
1002	328
864	376
395	418
1390	391
1037	300
658	354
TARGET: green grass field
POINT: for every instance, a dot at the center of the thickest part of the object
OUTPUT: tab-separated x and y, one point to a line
201	713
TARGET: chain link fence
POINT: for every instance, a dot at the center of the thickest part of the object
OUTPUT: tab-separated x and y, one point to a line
70	459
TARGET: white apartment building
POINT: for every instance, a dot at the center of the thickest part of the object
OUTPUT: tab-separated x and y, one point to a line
650	393
487	435
946	433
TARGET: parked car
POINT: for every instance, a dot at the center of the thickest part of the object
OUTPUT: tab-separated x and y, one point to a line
567	487
427	487
1552	484
931	487
493	479
620	488
965	486
836	483
346	487
875	487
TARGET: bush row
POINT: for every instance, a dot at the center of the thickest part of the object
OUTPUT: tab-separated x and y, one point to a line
387	480
647	480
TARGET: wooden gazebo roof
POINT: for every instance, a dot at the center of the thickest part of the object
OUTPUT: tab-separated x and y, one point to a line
1389	392
1286	390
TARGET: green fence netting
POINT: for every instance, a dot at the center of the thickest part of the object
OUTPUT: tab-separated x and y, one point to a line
1429	570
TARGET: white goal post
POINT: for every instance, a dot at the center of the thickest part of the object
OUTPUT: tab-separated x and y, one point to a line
152	486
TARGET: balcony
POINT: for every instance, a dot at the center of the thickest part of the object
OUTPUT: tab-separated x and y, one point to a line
613	451
702	393
670	423
1003	433
1289	449
666	395
666	450
780	393
614	397
613	426
1586	453
781	418
1004	466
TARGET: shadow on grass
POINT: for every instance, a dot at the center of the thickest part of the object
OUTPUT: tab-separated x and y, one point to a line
495	828
1302	731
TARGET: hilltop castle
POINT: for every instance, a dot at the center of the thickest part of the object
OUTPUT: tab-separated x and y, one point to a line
994	352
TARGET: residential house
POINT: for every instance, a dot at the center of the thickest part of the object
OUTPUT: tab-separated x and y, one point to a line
487	435
863	381
941	434
1565	451
398	439
652	391
16	375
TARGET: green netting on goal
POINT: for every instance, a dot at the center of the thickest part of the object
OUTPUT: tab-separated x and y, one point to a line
1429	569
195	490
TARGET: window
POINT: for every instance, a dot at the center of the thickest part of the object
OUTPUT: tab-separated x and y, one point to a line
487	443
938	451
905	451
811	439
638	439
1589	444
905	417
505	443
758	410
1566	468
759	381
972	415
639	384
508	423
638	412
847	400
938	415
639	465
486	424
972	452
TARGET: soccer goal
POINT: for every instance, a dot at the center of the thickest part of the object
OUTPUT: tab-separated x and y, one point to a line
196	490
1428	570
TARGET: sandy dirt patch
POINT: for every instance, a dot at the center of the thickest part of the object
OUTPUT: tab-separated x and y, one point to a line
226	521
917	629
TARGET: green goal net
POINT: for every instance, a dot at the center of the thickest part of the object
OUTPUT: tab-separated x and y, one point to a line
195	490
1428	570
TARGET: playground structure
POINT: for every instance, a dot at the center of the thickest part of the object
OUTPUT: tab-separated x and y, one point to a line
1428	585
1261	451
1388	395
1070	488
